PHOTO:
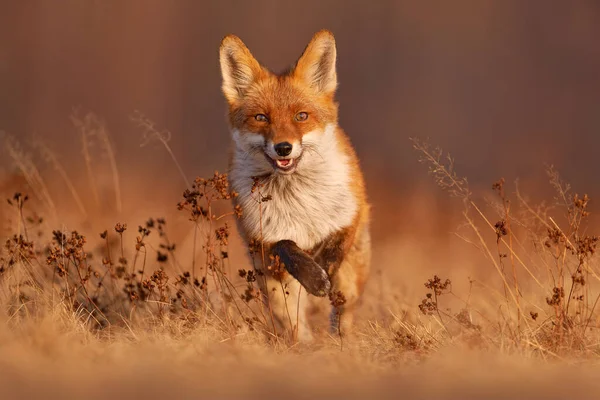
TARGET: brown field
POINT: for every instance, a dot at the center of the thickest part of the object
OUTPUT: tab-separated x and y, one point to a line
114	283
490	296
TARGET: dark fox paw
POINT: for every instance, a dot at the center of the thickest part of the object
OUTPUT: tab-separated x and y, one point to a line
302	267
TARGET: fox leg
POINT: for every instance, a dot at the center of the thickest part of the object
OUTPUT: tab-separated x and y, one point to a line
345	294
288	301
348	281
339	266
311	275
285	299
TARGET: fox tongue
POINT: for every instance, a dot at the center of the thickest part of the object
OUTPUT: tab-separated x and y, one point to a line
283	163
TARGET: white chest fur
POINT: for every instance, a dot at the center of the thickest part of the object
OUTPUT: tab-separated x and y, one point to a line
306	206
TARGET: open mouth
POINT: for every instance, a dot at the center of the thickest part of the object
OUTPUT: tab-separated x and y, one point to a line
285	165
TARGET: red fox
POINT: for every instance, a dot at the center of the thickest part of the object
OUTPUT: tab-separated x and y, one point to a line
286	140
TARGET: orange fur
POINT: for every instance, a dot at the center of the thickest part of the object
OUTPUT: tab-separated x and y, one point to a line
308	87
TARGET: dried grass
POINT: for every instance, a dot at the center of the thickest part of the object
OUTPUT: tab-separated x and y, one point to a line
119	313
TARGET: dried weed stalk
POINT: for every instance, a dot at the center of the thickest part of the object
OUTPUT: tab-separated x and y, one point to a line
567	252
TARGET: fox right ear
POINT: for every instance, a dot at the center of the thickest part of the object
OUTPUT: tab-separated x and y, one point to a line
316	66
238	68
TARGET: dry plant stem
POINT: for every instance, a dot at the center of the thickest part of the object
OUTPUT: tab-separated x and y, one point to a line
233	290
460	190
109	266
437	310
285	302
594	274
511	251
209	243
179	168
514	254
113	167
90	125
236	295
339	329
539	219
587	323
85	149
229	214
574	217
171	251
412	330
496	266
298	311
264	264
21	220
507	218
261	309
30	173
28	268
66	276
226	285
194	250
137	253
53	282
502	269
122	248
100	282
53	160
84	288
143	265
151	133
571	290
219	280
512	263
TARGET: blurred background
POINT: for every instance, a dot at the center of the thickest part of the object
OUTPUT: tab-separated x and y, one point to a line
505	85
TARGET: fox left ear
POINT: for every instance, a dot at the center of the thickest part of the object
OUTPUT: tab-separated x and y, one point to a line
239	68
316	66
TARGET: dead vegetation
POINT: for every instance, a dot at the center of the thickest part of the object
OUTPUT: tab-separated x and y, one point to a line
547	248
127	284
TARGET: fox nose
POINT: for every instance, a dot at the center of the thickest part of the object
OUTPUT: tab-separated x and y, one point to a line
283	149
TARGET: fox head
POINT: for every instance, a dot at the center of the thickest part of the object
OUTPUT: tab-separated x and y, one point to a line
277	120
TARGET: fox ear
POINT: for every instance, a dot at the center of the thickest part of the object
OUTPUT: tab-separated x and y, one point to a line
239	68
316	66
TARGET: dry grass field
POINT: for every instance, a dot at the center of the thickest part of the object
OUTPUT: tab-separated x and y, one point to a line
105	295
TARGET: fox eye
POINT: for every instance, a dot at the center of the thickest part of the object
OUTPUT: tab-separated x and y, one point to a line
261	118
301	116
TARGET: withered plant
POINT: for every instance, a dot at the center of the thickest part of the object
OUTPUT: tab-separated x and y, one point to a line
533	241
